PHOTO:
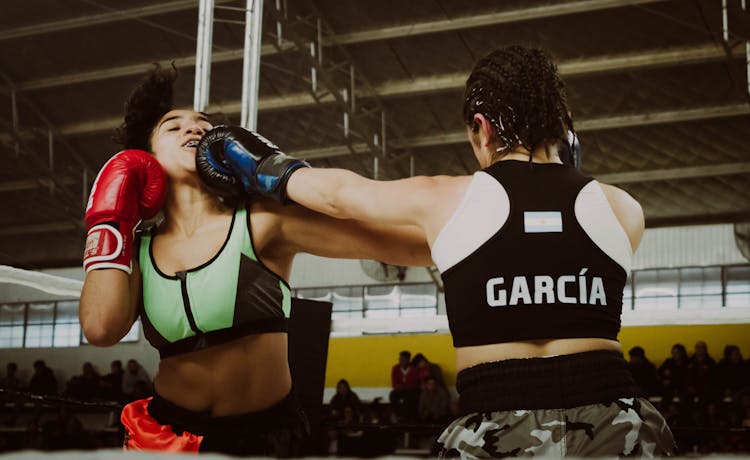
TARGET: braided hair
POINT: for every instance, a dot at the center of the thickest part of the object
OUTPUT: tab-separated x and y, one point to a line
518	90
146	104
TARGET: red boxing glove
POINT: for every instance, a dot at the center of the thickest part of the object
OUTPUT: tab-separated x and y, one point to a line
130	187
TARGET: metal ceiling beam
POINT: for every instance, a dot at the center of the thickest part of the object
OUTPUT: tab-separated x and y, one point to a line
668	116
31	184
49	227
689	172
352	38
441	83
100	18
582	125
702	219
504	17
457	137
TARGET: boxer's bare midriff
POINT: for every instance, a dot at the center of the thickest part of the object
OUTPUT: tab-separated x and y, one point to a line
245	375
471	356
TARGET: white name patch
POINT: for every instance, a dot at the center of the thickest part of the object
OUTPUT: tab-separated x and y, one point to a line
542	221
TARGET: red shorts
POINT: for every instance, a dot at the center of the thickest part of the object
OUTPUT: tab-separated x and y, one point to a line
159	425
143	432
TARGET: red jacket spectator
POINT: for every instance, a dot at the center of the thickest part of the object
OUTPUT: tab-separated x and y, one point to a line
404	376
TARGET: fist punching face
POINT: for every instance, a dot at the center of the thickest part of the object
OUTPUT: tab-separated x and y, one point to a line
174	139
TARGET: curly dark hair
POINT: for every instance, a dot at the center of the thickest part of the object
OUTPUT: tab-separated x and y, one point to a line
146	104
519	91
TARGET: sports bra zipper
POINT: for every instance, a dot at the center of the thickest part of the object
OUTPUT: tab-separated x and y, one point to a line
182	275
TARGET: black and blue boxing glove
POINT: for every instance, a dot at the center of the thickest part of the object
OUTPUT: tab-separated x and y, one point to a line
230	158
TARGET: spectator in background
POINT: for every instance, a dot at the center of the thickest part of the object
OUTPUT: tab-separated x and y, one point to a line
433	402
11	381
344	397
732	373
84	387
673	373
135	373
702	369
43	381
426	369
405	383
111	384
644	372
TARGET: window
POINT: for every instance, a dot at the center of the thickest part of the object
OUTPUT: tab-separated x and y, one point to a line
67	327
627	294
40	325
656	289
418	300
46	325
347	302
381	301
12	318
700	287
689	288
738	286
320	294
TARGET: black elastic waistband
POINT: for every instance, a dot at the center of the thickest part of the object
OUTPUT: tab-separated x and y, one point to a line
283	413
558	382
220	336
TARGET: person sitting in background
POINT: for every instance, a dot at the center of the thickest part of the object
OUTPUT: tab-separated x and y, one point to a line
426	369
43	381
11	381
433	402
344	397
673	373
702	369
405	383
644	372
732	373
111	384
135	373
85	386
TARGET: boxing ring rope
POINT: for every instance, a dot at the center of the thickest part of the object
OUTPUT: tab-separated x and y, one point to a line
55	400
51	284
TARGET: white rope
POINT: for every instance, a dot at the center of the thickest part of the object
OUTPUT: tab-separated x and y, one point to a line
51	284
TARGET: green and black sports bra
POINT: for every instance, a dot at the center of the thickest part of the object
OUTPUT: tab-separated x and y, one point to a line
230	296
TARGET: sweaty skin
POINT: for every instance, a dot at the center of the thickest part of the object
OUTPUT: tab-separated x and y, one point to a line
250	373
412	201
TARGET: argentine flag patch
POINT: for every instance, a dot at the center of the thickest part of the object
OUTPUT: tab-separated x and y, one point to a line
542	221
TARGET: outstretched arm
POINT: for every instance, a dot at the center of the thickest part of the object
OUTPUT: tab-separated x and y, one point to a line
296	229
236	154
424	201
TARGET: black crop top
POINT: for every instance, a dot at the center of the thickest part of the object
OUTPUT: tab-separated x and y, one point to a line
540	275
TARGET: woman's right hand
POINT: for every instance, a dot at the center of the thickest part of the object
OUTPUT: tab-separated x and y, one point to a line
130	187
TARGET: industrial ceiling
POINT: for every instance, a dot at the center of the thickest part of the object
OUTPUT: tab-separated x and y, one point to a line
658	90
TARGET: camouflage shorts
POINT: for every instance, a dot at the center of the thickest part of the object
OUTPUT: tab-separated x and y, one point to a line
625	427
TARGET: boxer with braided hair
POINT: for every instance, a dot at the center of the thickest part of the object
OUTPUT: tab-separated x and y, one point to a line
514	99
209	283
534	257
